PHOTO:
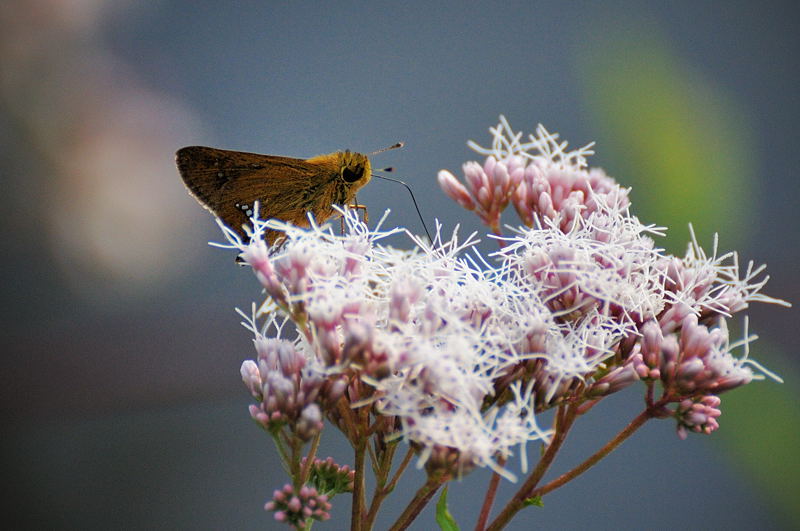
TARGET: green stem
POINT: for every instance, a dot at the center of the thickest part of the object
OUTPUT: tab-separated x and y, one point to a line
282	451
294	465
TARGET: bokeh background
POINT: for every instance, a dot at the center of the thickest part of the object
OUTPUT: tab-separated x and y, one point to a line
121	401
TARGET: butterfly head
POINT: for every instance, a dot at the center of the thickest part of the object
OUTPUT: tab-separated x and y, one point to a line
354	168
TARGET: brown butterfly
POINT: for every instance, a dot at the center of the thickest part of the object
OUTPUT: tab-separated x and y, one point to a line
228	183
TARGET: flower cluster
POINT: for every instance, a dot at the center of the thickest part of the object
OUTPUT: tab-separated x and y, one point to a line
421	335
329	477
489	187
297	508
651	316
286	394
457	353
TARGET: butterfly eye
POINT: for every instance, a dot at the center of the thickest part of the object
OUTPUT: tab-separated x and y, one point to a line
350	176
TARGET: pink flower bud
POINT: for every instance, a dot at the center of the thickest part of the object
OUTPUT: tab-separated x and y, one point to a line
455	190
252	378
475	177
310	422
651	343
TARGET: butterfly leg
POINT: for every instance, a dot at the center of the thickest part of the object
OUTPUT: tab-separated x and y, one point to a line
356	206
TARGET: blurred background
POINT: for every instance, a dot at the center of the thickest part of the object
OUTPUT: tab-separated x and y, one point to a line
122	405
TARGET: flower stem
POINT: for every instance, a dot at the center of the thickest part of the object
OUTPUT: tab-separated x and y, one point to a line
282	451
382	488
312	452
497	231
610	446
357	510
488	500
564	419
400	469
518	502
294	464
421	499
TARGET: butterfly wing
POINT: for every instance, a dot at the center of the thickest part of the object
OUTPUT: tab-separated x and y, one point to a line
228	183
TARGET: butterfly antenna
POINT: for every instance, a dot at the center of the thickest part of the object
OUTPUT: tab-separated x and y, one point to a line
413	199
393	146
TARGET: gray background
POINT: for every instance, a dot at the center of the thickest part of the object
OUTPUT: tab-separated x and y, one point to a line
121	402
